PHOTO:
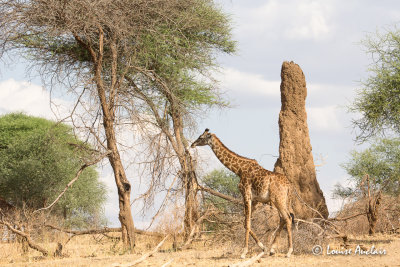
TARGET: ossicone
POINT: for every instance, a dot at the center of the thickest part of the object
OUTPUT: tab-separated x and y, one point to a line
207	130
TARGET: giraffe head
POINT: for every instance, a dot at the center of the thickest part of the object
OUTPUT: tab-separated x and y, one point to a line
203	140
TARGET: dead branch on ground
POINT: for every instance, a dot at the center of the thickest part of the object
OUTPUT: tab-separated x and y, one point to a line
100	231
167	263
26	236
249	261
145	256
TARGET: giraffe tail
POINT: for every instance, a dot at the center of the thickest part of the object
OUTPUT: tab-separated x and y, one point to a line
292	215
290	206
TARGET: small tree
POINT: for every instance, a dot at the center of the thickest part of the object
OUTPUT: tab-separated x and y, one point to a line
37	160
381	162
374	171
225	182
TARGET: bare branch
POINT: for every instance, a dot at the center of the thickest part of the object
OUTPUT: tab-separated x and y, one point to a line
78	173
218	194
349	217
162	204
198	222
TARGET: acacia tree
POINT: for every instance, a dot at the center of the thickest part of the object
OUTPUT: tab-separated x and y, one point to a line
177	88
378	100
103	51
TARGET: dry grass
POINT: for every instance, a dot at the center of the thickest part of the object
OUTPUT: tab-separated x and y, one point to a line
220	247
102	251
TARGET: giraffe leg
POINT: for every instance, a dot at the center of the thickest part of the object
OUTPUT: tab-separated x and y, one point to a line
247	221
253	235
276	234
289	231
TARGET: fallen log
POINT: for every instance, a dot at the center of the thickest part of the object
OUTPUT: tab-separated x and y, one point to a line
100	231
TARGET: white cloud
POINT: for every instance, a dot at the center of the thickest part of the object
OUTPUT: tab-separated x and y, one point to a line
255	84
324	118
299	20
232	79
26	97
310	21
23	96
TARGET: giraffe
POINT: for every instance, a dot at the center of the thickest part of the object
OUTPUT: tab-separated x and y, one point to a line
256	185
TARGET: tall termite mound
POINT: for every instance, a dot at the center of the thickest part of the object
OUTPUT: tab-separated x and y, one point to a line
295	156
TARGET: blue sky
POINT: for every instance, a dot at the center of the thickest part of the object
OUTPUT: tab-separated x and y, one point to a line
323	37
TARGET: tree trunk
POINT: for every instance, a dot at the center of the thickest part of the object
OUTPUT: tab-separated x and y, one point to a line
108	98
123	186
188	174
372	223
191	203
372	212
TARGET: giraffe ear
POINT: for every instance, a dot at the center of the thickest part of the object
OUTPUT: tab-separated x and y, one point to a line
206	130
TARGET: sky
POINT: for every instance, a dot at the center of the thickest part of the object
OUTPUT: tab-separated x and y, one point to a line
323	37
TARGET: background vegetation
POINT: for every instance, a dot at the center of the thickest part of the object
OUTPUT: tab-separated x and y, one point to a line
38	158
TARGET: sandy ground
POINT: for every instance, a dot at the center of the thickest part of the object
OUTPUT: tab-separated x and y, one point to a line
202	256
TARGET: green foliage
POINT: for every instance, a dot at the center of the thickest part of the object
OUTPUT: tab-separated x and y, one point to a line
37	162
187	39
379	99
15	126
182	50
225	182
381	162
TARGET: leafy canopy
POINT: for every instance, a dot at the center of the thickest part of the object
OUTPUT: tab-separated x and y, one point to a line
37	162
378	101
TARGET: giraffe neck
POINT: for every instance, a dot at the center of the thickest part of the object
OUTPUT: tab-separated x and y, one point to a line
230	159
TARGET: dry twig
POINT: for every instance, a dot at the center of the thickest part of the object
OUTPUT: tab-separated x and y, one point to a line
249	261
145	256
167	263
